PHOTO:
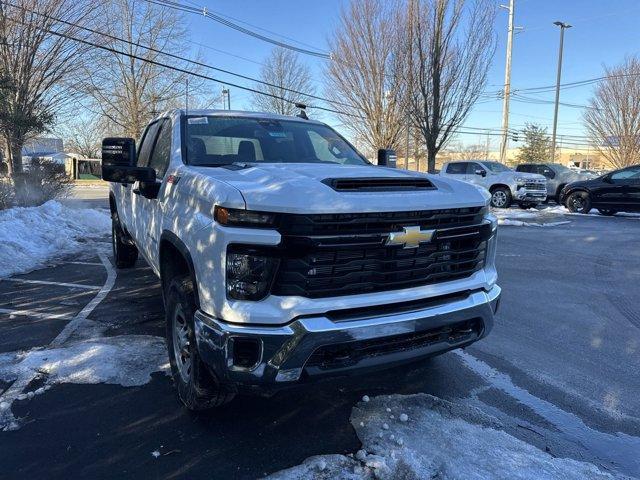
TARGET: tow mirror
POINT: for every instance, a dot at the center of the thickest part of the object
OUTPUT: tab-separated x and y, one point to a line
119	162
482	173
387	158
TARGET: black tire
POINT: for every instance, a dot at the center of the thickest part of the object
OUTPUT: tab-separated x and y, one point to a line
579	202
606	211
197	388
500	197
125	253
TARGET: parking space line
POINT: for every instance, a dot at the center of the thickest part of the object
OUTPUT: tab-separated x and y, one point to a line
18	386
46	282
98	264
36	314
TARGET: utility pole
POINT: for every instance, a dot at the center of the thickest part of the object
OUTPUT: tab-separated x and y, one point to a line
507	83
226	93
563	26
186	97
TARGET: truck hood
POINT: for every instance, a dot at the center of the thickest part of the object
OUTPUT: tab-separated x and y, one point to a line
298	188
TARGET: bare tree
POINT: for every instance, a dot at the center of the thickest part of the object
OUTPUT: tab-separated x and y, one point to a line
449	45
38	66
613	119
129	92
470	152
362	79
83	134
284	73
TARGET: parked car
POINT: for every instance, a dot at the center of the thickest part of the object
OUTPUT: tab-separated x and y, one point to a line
285	256
617	191
504	184
557	176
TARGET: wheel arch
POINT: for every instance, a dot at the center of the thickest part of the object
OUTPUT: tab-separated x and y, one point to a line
495	186
175	259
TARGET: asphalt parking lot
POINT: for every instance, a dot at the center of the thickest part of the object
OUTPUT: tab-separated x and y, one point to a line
559	369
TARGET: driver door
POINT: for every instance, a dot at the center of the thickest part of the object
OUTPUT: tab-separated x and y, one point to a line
475	174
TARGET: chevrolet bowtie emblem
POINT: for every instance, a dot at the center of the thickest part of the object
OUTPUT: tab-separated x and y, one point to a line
410	237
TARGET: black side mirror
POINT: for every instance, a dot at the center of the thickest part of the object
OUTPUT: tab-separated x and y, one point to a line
481	172
119	162
387	158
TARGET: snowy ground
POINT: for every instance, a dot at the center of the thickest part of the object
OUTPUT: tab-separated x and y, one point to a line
550	394
546	216
421	436
34	236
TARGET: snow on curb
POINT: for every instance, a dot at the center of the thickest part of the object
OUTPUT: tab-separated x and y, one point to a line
32	236
439	439
127	360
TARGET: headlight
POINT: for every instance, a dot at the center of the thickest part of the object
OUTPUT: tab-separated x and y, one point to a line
521	180
250	273
236	217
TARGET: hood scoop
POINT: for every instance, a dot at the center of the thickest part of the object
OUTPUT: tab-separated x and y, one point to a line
378	184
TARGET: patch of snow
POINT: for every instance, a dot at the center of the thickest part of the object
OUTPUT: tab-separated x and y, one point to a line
127	360
404	417
365	398
444	440
155	454
543	217
32	236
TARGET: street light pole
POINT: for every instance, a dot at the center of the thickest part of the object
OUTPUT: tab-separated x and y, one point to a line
563	26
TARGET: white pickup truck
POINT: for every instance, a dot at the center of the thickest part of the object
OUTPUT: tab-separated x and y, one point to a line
284	255
505	185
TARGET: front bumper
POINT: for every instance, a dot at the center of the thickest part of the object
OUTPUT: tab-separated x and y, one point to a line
376	337
524	195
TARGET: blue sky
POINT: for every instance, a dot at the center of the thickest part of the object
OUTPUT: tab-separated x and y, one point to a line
604	32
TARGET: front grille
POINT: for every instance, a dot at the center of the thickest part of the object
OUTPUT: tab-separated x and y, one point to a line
358	261
535	186
350	353
377	222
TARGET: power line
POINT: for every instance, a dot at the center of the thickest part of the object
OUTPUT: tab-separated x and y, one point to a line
218	18
181	70
178	57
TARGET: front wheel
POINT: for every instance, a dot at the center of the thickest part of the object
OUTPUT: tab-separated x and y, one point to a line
579	202
197	387
501	198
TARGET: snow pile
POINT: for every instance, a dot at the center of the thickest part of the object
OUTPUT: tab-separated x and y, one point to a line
532	217
127	360
32	236
439	439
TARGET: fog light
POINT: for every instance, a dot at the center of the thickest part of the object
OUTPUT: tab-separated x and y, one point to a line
246	352
249	274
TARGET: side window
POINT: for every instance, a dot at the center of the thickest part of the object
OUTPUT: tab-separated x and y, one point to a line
624	175
459	168
148	138
546	171
162	151
473	167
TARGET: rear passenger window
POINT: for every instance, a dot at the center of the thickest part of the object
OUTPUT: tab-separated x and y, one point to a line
457	168
523	168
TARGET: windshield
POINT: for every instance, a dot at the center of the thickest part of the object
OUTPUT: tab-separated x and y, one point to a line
496	167
213	141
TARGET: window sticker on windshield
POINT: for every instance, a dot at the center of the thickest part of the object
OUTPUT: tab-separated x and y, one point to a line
278	134
198	121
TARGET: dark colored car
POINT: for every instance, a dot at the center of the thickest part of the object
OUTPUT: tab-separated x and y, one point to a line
617	191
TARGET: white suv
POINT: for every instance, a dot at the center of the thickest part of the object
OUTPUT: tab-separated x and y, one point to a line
505	185
285	256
